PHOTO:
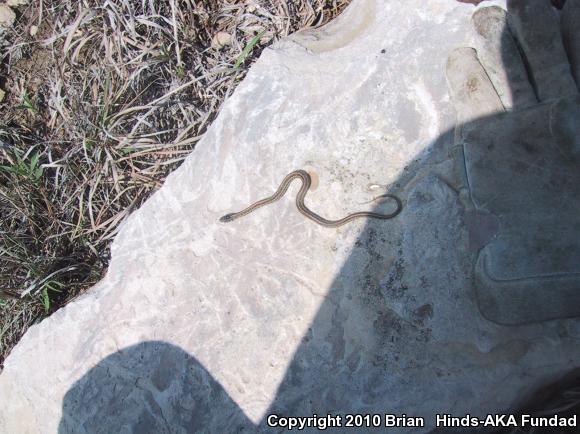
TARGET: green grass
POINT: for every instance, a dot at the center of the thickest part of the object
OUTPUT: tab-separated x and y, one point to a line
27	104
27	167
48	288
248	49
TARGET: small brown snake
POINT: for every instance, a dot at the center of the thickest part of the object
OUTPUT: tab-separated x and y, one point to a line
306	182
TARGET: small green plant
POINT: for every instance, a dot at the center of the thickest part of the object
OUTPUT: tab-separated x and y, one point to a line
30	170
127	150
27	104
52	286
90	145
180	71
247	50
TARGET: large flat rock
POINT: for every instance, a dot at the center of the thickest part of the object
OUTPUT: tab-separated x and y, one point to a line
200	326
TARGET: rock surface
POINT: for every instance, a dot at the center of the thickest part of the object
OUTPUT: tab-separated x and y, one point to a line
200	326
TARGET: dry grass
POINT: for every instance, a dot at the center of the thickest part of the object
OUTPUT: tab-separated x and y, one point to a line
102	103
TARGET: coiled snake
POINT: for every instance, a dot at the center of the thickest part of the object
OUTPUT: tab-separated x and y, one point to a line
306	182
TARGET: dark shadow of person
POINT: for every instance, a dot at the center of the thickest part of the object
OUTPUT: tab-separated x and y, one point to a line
369	348
152	387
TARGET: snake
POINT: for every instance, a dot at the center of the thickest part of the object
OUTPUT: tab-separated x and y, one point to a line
304	176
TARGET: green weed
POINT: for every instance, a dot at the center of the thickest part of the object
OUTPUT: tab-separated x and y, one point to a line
248	49
52	286
27	104
29	169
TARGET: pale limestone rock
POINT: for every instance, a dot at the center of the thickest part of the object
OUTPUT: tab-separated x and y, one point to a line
16	3
221	39
206	327
7	16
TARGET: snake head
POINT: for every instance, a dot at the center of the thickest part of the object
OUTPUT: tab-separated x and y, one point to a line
227	218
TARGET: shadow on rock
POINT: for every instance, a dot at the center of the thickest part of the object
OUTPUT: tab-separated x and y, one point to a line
152	387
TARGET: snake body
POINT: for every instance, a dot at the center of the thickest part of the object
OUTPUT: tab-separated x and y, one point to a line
306	182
